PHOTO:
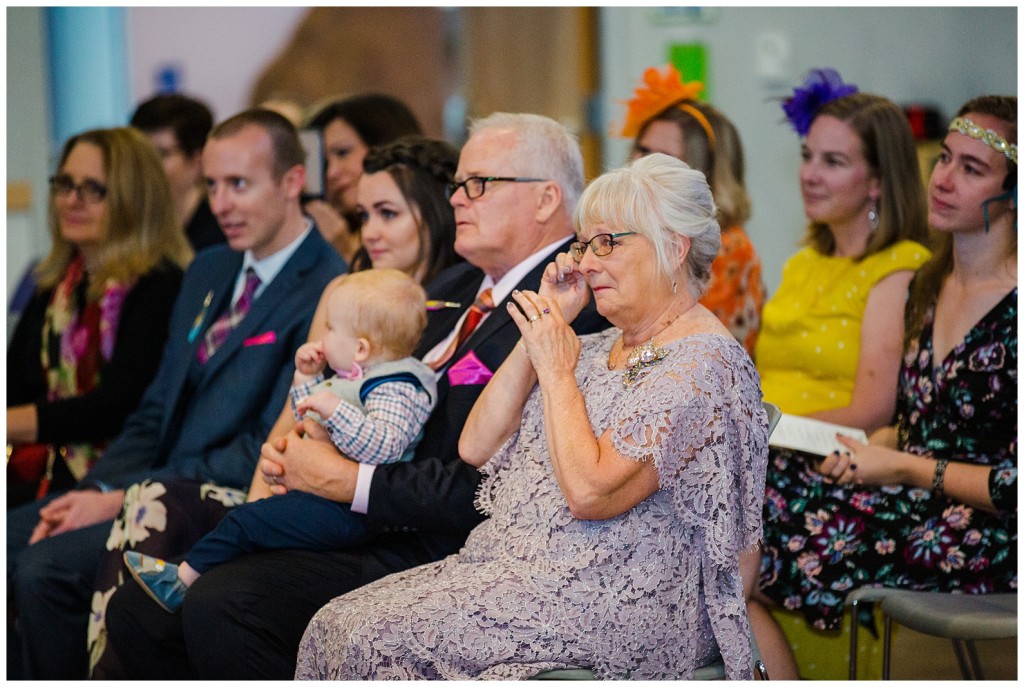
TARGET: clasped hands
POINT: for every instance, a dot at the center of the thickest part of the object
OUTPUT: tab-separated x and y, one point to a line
862	465
301	461
544	317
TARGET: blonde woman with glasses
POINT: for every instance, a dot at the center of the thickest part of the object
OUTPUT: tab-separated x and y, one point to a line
91	338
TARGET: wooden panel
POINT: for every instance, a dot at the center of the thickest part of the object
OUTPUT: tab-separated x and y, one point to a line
19	196
338	51
533	59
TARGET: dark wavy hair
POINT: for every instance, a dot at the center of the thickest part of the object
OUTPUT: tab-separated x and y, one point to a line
377	118
188	118
421	168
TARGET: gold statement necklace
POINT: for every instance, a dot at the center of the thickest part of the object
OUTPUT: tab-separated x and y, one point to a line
643	356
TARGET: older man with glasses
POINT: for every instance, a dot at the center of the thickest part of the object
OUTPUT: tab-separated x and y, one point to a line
516	187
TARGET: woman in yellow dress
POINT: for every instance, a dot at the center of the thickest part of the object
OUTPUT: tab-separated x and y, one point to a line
831	338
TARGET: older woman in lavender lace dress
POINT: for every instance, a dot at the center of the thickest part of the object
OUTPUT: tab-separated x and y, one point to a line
624	474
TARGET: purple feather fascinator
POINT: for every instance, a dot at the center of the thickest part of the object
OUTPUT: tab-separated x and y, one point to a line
821	86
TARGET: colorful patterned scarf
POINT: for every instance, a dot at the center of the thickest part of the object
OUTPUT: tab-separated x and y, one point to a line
78	339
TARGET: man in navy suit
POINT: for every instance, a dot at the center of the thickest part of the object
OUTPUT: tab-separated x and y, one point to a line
518	180
213	400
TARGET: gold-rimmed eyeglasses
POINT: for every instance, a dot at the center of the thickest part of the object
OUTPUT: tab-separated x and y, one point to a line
600	245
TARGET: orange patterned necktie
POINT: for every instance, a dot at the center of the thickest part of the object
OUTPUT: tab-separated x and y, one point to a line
481	306
218	332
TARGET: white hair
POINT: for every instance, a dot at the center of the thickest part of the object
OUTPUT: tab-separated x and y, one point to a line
544	149
664	199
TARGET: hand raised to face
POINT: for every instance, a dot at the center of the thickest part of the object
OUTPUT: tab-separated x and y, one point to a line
563	283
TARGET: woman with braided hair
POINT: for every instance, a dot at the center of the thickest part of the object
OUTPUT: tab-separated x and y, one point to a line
407	225
401	181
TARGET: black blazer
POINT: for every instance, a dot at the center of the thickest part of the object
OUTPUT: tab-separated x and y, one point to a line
434	493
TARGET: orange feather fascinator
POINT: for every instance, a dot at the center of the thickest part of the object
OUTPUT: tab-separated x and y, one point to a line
658	93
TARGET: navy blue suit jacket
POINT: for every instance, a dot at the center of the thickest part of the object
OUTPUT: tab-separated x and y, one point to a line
215	432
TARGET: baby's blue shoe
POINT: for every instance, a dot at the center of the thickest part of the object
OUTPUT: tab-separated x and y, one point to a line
158	578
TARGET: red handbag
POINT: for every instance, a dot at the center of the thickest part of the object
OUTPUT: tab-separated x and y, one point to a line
31	464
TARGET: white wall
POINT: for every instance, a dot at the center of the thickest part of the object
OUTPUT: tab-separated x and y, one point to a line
933	55
940	56
220	51
28	124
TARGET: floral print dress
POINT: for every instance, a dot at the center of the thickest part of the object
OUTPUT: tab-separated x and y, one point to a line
823	540
736	290
162	519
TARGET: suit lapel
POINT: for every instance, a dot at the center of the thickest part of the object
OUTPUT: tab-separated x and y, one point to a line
220	281
440	323
499	317
264	307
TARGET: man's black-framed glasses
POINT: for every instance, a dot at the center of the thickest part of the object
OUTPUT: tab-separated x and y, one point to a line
475	186
601	245
90	190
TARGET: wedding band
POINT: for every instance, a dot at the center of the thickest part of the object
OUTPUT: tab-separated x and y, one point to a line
534	318
546	311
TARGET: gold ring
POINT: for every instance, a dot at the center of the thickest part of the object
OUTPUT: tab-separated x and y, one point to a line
534	318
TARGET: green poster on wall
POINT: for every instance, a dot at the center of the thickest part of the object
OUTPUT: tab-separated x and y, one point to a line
691	59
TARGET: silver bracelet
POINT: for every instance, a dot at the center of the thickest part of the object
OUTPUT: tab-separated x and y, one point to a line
939	480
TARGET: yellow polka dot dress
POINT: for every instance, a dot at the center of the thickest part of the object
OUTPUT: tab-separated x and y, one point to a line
811	328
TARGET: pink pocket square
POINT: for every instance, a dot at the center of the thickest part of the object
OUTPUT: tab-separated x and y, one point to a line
469	370
261	339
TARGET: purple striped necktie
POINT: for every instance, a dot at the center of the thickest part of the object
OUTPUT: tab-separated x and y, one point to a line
219	331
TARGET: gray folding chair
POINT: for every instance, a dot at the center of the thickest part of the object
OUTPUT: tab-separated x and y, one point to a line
712	671
961	618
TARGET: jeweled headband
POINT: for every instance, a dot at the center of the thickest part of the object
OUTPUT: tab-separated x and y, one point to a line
990	138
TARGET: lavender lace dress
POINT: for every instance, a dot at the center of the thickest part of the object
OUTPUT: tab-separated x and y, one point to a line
653	593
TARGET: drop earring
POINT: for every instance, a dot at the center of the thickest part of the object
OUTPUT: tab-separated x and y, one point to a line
873	215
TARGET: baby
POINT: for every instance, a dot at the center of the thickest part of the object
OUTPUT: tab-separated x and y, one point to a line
373	411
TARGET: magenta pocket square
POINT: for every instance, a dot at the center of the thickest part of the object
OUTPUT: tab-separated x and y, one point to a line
469	370
261	339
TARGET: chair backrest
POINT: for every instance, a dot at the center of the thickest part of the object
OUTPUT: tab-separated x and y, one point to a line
774	415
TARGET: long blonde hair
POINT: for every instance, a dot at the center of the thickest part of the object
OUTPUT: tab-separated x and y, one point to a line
140	228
